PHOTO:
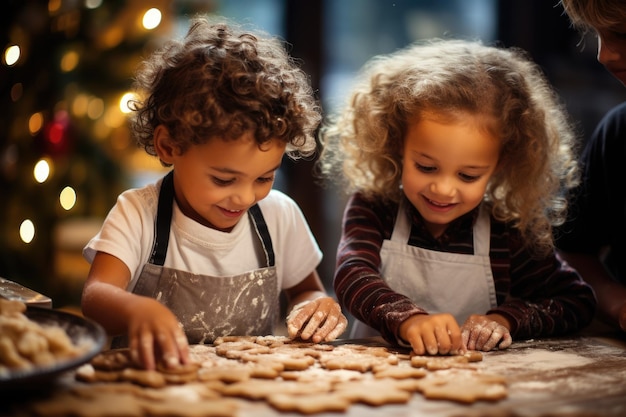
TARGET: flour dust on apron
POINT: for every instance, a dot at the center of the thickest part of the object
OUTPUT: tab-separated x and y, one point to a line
211	306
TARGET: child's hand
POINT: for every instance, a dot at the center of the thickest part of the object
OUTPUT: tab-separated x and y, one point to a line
433	334
155	335
485	333
319	320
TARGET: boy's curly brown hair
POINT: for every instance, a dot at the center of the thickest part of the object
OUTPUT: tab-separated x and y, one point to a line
222	81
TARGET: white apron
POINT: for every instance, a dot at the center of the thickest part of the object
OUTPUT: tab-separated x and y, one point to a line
209	306
438	282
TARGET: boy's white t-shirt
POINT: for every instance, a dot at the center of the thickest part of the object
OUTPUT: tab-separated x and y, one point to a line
128	233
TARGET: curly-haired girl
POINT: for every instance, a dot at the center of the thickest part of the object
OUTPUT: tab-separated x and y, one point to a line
206	250
458	157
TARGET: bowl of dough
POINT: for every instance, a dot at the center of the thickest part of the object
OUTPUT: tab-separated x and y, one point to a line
38	344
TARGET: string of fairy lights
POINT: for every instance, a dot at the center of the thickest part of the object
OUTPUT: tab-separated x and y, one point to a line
102	112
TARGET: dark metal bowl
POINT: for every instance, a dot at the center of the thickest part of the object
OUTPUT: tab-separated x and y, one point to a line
82	332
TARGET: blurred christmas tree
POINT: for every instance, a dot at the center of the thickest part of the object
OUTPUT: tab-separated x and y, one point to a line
65	149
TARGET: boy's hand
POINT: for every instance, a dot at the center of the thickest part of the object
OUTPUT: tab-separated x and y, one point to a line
433	334
320	320
486	332
155	335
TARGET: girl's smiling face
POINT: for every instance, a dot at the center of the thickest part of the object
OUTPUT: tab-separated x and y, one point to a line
447	165
217	182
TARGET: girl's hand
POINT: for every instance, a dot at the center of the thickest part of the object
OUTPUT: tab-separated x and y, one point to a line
155	335
433	334
319	320
486	332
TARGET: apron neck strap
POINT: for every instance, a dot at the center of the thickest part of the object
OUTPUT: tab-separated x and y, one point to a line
482	232
482	228
402	225
260	226
163	220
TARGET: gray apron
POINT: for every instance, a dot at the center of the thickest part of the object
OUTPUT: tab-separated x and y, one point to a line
438	282
208	306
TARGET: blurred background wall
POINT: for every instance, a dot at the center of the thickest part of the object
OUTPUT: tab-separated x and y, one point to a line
66	65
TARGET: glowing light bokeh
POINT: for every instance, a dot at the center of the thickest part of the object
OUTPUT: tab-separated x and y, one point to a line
80	104
35	123
67	198
93	4
69	61
12	55
41	172
151	19
54	5
17	91
27	231
124	102
95	108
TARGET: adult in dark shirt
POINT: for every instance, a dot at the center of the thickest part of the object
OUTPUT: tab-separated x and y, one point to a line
594	238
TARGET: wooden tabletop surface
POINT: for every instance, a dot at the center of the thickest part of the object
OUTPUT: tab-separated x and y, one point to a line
583	376
579	376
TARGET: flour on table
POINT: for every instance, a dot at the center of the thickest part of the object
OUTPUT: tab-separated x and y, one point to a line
537	360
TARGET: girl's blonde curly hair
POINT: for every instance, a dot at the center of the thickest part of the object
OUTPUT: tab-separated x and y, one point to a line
362	144
222	81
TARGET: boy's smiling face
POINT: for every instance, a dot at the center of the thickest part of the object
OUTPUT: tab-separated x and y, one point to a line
217	182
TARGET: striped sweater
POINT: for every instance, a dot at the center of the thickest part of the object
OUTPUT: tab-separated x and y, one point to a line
540	297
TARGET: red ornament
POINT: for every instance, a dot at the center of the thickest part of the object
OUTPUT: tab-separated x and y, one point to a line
57	134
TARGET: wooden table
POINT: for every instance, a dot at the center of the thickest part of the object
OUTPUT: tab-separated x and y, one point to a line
575	376
571	377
